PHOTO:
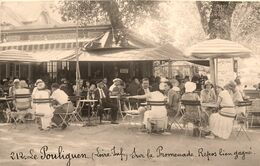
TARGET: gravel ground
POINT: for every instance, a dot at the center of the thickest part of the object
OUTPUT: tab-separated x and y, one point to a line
121	145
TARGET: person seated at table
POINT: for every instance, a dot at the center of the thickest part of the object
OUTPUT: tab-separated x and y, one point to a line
22	104
66	87
221	123
238	96
156	112
143	94
83	88
16	85
43	108
208	95
191	114
132	90
115	88
173	99
104	101
60	103
133	87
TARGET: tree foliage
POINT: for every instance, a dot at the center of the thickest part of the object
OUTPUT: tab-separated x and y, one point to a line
245	24
121	14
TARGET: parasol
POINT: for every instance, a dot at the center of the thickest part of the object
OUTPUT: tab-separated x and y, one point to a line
218	49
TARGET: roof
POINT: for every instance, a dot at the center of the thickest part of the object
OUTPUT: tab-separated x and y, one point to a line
106	40
166	52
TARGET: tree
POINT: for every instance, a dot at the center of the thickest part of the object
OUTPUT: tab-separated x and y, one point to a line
216	18
120	14
245	24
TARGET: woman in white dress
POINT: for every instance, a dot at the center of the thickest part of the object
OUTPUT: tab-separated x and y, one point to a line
43	107
156	112
221	123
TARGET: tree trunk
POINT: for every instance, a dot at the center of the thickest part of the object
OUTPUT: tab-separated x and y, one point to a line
112	9
218	23
220	20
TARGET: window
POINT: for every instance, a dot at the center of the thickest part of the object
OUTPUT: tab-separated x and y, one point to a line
69	45
46	46
25	47
52	69
58	45
30	48
63	45
41	46
52	46
65	65
35	47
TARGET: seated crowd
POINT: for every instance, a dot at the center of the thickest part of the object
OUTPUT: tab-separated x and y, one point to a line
217	122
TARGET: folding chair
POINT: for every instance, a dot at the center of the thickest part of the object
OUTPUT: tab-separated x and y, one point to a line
66	116
195	103
22	103
131	112
175	120
242	120
254	113
156	124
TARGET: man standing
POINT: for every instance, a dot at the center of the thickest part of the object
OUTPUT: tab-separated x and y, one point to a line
102	95
60	104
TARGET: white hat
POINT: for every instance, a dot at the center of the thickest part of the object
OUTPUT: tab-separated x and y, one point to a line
116	79
164	79
40	85
16	80
38	81
176	89
190	86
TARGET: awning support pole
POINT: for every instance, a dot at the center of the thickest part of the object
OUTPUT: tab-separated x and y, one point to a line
212	71
77	55
170	69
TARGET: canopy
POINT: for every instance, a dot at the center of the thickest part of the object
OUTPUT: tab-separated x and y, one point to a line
53	55
39	56
218	48
166	52
16	56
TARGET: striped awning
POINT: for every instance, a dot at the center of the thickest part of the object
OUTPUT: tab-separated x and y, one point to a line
16	56
54	55
39	56
218	48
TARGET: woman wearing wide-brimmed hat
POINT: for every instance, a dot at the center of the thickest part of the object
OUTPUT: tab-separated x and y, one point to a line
221	123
